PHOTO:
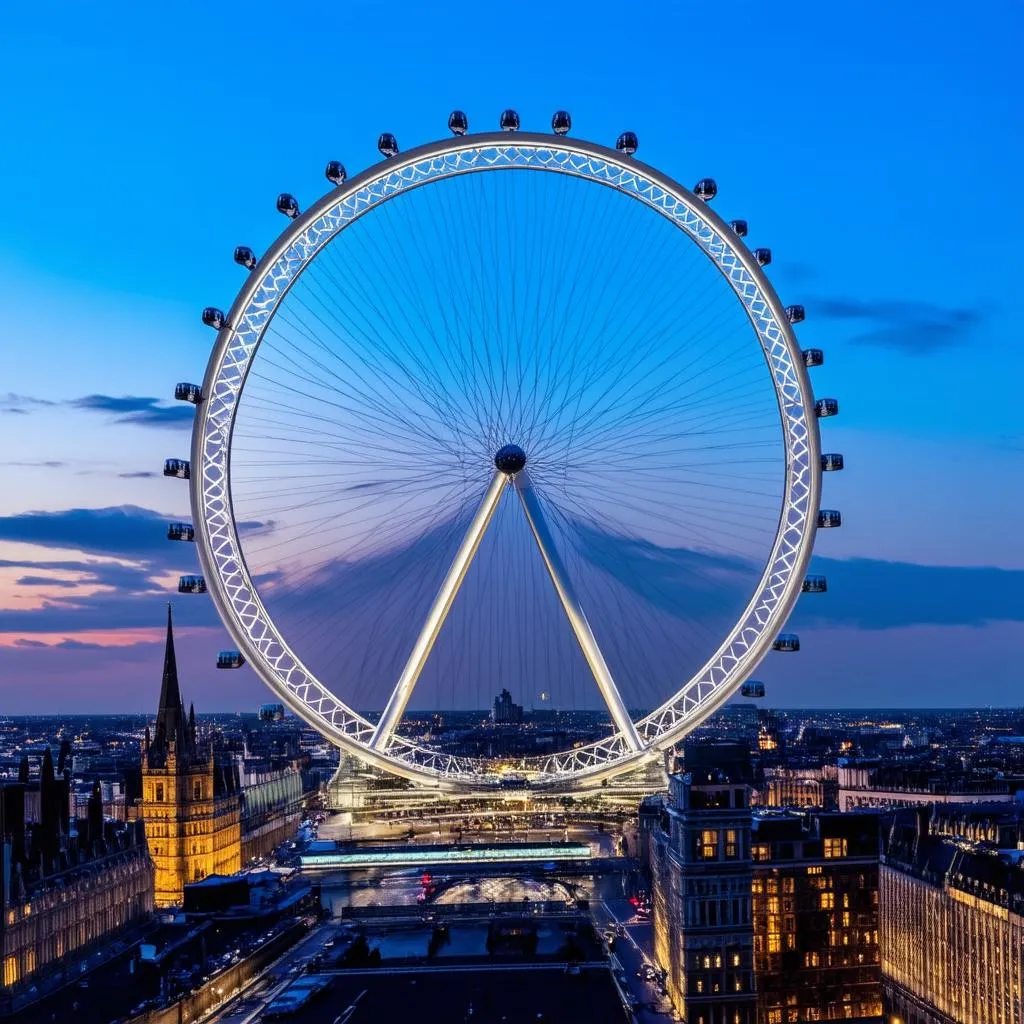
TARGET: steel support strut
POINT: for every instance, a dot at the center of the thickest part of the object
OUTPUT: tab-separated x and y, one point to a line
438	612
573	610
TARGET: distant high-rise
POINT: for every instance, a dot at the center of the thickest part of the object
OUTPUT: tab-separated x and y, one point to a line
505	712
190	806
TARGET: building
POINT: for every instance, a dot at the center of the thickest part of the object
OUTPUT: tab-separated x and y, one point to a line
190	802
505	712
272	804
799	786
952	918
63	891
815	913
875	785
700	865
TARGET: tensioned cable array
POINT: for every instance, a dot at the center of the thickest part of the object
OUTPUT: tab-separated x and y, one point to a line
511	306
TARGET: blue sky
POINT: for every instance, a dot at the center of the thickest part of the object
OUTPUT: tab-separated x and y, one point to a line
875	147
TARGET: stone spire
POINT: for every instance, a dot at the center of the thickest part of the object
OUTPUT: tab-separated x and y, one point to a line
171	724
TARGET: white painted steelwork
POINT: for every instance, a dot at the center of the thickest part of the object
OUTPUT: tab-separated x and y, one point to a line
223	562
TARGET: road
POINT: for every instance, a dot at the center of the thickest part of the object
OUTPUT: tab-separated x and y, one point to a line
634	951
248	1004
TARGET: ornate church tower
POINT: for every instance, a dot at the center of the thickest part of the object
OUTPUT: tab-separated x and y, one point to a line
190	807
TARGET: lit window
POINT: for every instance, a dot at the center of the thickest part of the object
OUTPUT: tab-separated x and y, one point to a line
835	848
735	959
718	959
814	869
709	844
731	849
774	944
761	851
827	900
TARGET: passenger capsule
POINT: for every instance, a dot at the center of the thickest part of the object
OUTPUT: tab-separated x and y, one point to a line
181	531
561	122
831	462
739	227
335	172
627	143
706	189
188	393
826	407
214	317
388	144
509	121
752	688
458	123
795	314
245	257
813	357
191	585
814	585
786	642
763	256
180	468
829	518
288	205
230	659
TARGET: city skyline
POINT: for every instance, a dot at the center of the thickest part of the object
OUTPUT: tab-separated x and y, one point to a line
926	599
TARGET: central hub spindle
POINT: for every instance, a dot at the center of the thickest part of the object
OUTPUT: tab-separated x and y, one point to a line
510	459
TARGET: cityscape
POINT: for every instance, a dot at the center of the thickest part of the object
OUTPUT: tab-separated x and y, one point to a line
461	562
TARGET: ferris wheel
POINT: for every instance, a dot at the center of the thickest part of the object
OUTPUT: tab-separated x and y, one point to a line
507	411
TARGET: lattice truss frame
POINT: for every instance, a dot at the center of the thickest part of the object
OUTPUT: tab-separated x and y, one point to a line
223	562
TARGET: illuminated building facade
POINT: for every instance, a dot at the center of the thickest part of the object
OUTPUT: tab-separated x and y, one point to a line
61	892
700	866
952	924
190	803
815	912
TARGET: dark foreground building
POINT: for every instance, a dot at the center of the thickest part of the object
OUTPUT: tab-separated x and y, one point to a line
769	918
815	904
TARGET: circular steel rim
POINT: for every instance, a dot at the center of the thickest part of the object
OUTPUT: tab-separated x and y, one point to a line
222	559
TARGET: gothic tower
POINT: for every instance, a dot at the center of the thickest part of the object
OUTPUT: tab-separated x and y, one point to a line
190	806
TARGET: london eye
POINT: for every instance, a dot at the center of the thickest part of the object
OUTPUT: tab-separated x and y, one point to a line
508	410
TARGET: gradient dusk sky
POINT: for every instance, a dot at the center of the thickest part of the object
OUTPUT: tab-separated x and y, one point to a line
876	147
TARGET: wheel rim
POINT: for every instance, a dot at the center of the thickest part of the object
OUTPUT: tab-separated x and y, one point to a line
223	557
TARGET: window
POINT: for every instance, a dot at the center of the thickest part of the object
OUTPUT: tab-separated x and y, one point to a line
775	1016
197	790
159	793
709	844
814	869
731	847
761	851
735	959
827	900
835	848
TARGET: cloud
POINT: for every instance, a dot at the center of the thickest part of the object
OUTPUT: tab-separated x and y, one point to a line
25	642
45	581
140	410
124	531
78	645
142	474
36	463
21	404
914	328
131	561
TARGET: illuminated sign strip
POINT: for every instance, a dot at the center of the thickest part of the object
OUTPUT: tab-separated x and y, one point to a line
464	855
